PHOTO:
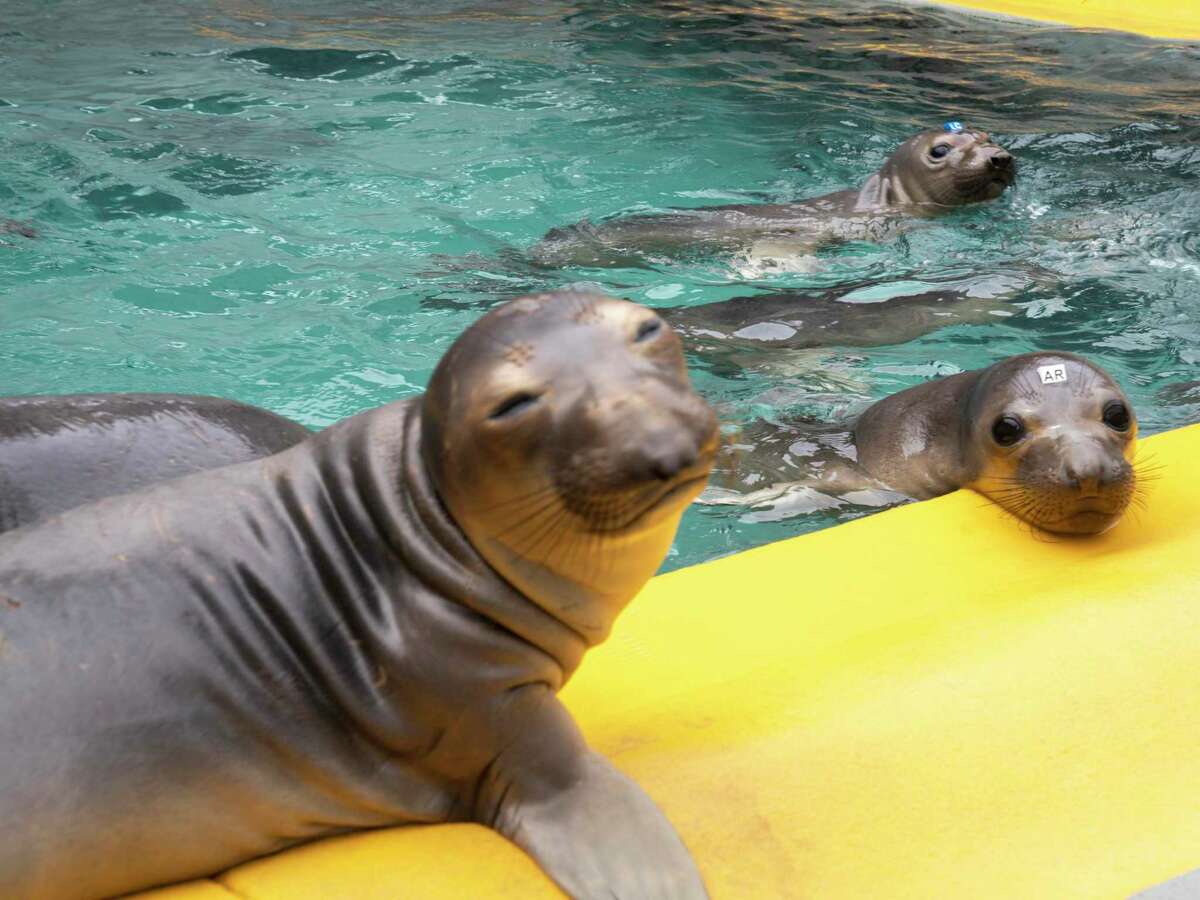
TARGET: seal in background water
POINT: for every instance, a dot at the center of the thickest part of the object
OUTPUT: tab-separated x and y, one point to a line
1050	437
931	172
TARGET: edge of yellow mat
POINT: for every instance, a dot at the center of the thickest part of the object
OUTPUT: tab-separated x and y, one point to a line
1174	19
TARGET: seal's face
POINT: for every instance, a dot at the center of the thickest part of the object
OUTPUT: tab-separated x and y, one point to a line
1053	439
952	168
566	440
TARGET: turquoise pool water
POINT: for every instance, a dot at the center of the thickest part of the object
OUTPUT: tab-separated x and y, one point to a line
301	204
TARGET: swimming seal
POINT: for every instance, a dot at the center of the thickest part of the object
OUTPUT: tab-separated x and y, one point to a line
12	226
865	314
931	172
59	452
365	629
1050	437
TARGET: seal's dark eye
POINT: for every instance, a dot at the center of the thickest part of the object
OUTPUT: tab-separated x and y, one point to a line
1007	430
1116	415
647	330
513	406
937	151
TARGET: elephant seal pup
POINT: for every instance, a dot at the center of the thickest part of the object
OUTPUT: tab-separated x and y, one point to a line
366	629
59	452
931	172
868	314
1050	437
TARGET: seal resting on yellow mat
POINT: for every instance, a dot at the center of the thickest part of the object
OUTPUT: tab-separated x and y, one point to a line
1050	437
365	629
930	173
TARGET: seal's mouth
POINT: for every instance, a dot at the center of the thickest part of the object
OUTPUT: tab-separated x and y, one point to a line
1084	520
1083	515
994	185
1060	509
989	181
669	499
667	503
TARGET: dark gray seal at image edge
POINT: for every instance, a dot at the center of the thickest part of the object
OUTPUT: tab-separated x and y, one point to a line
62	451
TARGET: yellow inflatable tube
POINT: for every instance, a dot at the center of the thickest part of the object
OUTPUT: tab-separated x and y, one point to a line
934	702
1157	18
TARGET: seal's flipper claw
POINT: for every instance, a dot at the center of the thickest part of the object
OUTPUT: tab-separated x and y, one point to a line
602	837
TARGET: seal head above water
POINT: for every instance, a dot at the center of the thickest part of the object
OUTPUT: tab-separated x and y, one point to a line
1050	437
930	173
938	169
365	629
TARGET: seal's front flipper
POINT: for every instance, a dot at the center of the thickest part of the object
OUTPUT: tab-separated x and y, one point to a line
602	837
590	828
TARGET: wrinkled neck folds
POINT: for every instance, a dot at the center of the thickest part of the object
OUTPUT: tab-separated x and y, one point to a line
405	508
889	188
582	578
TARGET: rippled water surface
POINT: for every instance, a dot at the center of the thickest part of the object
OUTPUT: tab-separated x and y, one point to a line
301	204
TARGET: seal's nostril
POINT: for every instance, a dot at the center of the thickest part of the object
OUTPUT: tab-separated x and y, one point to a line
668	463
663	468
1083	477
1001	161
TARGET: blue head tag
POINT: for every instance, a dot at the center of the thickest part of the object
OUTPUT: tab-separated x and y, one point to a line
953	127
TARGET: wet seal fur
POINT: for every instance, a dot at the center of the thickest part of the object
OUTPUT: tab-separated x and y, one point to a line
59	452
1055	453
12	226
863	314
366	629
931	172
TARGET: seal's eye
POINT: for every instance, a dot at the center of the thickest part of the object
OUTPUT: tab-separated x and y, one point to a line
514	406
647	330
1116	415
937	151
1007	430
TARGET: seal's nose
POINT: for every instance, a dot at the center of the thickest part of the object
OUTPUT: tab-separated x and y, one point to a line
1001	161
1088	470
669	456
1087	485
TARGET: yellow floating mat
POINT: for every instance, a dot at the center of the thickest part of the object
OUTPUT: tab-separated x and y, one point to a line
1157	18
934	702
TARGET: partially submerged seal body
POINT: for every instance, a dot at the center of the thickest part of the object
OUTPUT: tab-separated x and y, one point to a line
868	314
59	452
931	172
1050	437
367	628
12	226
